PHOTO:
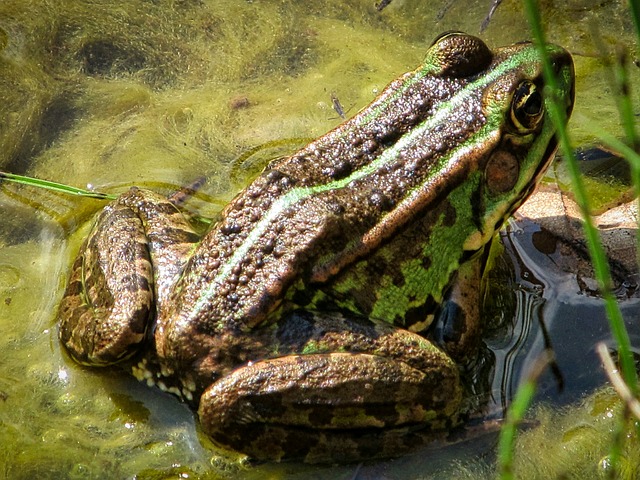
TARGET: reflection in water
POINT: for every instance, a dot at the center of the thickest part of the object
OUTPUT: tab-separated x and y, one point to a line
509	357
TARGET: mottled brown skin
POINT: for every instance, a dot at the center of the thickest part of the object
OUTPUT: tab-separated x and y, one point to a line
379	377
112	292
397	199
302	242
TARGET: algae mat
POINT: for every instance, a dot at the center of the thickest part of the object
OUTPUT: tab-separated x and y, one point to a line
159	93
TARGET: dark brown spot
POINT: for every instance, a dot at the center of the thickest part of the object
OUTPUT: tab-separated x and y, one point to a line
139	320
370	146
274	175
73	288
380	201
502	171
180	235
233	298
134	283
335	207
450	215
271	406
268	245
160	208
382	411
342	169
320	416
420	313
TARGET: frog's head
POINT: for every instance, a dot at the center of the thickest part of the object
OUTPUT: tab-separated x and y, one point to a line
516	142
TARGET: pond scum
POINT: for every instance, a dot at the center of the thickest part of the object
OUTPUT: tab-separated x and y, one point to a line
111	94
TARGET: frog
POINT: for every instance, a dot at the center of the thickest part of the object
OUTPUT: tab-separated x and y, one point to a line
328	314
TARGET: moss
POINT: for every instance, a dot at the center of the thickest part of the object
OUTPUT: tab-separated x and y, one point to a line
116	80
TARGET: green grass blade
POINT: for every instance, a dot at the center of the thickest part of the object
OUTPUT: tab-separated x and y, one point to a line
557	114
634	5
54	186
516	413
596	251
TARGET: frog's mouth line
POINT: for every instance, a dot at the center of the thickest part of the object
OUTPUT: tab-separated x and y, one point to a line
549	155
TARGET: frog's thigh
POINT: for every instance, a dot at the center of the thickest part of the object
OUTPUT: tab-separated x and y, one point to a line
329	392
109	299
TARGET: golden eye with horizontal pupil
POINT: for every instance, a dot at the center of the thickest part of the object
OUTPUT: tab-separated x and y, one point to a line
527	107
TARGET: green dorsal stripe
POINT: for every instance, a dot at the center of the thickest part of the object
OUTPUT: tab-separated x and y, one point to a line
295	195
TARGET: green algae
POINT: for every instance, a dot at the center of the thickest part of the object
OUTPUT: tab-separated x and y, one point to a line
576	441
111	94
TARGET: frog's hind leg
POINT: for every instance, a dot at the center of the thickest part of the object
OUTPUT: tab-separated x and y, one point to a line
339	381
134	252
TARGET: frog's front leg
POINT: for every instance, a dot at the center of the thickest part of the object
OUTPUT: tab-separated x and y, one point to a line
125	268
347	384
458	326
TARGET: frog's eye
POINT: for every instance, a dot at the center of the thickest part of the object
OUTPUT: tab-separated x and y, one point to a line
527	106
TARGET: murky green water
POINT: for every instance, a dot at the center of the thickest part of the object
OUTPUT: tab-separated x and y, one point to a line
159	93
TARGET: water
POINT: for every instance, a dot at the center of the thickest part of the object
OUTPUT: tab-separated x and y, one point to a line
158	94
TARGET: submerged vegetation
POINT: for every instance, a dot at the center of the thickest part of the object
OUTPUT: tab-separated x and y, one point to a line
104	95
